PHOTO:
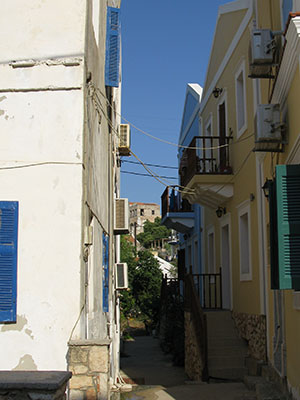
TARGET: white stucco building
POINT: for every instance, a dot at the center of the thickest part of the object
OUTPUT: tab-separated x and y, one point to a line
59	178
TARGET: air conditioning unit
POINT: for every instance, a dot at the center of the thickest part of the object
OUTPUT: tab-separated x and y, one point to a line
124	140
268	128
121	216
121	276
261	53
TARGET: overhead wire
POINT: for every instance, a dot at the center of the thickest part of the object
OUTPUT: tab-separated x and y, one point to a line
172	143
160	179
150	176
150	165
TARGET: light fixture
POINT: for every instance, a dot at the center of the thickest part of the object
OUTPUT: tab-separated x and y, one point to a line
266	188
217	92
220	211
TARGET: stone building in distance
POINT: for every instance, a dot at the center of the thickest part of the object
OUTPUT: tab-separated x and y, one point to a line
141	212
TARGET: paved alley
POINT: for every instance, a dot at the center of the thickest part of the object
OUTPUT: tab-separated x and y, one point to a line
158	379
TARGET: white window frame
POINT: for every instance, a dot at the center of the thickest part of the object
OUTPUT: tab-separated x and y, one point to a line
211	231
244	209
240	99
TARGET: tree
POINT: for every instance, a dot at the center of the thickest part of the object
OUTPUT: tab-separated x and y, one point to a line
153	231
145	279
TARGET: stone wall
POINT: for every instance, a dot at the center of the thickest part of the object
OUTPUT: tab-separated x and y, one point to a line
193	359
33	385
252	327
89	363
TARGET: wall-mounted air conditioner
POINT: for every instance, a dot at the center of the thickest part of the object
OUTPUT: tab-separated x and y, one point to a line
121	216
268	128
261	53
124	140
121	276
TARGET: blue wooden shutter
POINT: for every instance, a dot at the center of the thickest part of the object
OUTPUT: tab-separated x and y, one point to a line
105	283
112	56
9	211
288	213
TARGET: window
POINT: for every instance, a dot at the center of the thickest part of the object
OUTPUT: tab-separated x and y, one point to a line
240	93
153	212
9	211
208	157
142	212
245	242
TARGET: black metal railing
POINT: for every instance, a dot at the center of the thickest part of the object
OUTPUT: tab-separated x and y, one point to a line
205	155
209	289
198	319
171	201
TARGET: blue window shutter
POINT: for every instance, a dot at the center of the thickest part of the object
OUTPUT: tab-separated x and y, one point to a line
288	214
105	282
9	211
112	55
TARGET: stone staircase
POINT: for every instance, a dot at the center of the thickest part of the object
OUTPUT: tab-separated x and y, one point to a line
228	360
226	350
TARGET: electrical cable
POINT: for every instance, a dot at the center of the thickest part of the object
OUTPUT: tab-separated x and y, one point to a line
150	165
150	176
172	143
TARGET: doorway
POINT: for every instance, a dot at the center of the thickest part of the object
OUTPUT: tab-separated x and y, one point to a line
226	266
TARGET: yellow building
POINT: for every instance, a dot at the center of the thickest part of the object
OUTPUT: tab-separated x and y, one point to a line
249	120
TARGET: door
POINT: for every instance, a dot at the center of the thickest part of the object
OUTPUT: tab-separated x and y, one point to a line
226	270
222	136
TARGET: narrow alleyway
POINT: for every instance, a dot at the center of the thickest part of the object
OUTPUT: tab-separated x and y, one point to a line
156	378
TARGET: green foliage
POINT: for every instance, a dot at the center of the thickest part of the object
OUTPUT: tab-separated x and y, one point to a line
153	231
145	279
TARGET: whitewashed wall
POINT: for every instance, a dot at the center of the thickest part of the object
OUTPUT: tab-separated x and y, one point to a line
41	121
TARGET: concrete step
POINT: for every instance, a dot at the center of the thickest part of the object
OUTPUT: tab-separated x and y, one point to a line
225	342
229	373
223	362
228	351
267	391
252	381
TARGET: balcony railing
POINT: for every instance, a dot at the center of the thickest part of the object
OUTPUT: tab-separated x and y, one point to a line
205	155
171	202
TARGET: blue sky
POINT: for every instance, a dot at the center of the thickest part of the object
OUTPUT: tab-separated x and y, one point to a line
165	45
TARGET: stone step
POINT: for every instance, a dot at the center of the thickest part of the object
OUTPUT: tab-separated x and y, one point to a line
267	391
230	373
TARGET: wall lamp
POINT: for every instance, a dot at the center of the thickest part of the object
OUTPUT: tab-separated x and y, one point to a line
220	211
217	92
266	188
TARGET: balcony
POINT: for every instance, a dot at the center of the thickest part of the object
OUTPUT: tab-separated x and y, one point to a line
205	171
176	212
